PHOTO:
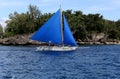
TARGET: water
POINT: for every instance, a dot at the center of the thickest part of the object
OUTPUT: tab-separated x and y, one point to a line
87	62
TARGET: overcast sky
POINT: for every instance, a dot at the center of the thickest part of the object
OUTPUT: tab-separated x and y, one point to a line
110	9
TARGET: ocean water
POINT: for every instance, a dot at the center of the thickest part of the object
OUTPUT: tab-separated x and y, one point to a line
87	62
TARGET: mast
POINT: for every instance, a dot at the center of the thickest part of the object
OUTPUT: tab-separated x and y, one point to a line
61	22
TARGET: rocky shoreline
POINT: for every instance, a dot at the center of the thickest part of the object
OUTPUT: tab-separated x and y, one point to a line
24	40
18	40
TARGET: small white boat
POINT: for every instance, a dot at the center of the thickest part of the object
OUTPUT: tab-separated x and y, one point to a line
55	48
56	31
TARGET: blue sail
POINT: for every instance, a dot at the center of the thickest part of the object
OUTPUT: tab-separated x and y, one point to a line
50	32
68	37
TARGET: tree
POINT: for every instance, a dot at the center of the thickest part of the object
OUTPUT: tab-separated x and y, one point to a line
114	34
34	17
1	31
118	25
95	23
82	25
23	23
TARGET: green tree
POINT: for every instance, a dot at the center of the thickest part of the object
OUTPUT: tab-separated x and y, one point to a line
114	34
95	23
34	18
1	31
118	25
82	25
23	23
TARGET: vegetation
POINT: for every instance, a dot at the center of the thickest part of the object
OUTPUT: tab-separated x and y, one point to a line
1	31
83	26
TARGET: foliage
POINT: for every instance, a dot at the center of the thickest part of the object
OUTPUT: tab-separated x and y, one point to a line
23	23
82	26
1	31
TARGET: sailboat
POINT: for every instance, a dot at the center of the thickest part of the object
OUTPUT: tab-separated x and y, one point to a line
56	32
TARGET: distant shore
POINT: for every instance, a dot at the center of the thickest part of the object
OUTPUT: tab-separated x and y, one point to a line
24	40
98	43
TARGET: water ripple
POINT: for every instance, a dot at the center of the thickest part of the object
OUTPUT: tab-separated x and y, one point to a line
87	62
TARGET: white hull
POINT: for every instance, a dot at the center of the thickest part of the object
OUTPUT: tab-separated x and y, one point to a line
55	48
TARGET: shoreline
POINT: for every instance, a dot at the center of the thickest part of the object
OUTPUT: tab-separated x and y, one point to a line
98	43
41	44
25	41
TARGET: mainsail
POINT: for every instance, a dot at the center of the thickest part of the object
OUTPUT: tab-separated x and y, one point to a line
51	31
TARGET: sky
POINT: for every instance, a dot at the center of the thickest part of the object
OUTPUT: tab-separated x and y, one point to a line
110	9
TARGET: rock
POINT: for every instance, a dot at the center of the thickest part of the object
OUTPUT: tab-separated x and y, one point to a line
97	36
18	40
24	40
